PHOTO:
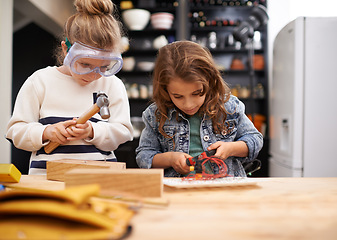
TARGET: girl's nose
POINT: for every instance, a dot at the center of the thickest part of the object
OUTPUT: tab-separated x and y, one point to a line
94	75
188	103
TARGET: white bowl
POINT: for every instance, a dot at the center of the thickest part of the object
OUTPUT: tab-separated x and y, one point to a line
145	66
128	64
160	41
162	20
136	19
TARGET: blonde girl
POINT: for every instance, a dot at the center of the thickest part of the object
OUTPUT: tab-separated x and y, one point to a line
52	98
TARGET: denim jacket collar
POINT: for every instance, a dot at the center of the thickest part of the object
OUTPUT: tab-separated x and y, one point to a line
174	110
171	112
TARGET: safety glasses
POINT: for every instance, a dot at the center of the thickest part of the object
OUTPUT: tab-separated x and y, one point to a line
84	59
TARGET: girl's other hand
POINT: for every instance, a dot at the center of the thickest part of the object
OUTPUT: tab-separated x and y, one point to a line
178	162
228	149
57	132
80	131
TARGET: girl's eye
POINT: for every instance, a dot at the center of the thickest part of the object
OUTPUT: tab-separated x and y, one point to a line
85	65
198	93
177	97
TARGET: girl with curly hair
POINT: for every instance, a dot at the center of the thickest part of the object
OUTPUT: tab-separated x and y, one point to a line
193	111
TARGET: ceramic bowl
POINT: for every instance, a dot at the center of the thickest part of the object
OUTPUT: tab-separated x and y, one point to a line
145	66
160	41
136	19
128	64
162	20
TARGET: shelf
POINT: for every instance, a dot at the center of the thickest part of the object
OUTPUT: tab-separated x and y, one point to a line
131	52
162	9
134	72
145	100
209	5
217	28
153	52
234	50
137	72
150	30
239	72
216	7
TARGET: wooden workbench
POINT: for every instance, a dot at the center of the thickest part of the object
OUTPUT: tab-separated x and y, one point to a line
274	208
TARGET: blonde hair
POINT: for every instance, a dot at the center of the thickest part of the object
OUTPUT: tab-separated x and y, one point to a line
94	24
192	63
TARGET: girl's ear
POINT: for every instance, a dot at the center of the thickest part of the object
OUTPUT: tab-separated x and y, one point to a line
64	47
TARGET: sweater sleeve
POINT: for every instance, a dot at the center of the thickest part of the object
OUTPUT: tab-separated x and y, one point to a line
149	144
248	133
24	129
108	135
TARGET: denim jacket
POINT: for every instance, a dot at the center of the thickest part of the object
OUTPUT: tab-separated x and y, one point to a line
240	129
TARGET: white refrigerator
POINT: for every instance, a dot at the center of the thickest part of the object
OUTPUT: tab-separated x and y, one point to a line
303	99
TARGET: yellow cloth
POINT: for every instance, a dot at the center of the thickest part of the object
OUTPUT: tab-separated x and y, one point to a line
66	214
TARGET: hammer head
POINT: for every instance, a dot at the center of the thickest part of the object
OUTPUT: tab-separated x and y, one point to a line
103	103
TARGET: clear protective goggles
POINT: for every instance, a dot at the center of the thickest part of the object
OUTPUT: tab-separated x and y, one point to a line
84	59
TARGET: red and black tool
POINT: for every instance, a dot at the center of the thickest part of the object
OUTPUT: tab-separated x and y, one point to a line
197	164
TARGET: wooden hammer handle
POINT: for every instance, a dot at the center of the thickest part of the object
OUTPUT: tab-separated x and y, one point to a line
81	120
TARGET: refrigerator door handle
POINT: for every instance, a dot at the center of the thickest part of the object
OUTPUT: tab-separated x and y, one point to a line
285	134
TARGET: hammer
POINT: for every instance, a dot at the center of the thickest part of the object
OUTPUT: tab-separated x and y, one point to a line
101	106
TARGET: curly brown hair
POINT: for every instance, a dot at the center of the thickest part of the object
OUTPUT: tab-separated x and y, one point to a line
190	62
95	24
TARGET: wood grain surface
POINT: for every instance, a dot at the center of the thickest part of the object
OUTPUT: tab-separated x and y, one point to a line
141	182
57	168
274	208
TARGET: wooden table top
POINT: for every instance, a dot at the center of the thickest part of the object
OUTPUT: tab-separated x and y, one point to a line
274	208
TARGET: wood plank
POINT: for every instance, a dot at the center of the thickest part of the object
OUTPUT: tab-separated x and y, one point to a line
140	182
57	168
36	182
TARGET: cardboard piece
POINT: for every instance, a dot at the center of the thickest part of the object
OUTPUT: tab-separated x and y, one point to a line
139	182
57	168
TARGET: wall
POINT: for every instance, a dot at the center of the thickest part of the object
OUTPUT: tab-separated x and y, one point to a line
6	30
44	12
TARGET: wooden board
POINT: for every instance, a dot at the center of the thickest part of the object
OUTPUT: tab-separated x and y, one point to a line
140	182
57	168
36	182
215	183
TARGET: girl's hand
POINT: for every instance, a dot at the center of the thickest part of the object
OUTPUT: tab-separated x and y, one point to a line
178	162
57	132
228	149
80	131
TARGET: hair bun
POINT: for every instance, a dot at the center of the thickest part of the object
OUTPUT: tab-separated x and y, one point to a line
94	7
